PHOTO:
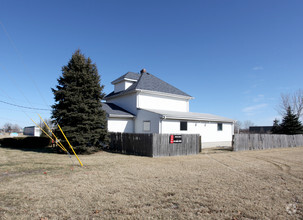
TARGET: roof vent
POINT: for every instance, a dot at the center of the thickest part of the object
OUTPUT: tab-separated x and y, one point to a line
143	71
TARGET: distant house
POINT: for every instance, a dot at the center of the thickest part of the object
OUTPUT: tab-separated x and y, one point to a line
143	103
260	129
32	131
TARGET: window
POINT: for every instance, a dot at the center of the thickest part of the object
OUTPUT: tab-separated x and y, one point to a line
220	127
183	125
146	125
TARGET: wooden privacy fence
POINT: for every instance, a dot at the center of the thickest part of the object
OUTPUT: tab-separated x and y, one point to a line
265	141
154	145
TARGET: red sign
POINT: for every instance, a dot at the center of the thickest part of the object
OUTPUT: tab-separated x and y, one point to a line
175	139
171	140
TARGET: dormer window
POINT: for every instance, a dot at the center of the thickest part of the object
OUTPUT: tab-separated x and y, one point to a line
125	81
125	84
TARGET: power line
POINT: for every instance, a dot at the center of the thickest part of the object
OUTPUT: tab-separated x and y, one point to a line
26	107
22	61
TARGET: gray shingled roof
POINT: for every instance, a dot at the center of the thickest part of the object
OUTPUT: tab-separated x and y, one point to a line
190	116
152	83
113	110
128	75
147	81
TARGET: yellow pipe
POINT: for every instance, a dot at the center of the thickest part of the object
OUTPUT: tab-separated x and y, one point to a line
53	134
47	134
70	146
58	141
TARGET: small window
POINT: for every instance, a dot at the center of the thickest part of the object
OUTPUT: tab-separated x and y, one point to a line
220	127
183	126
146	125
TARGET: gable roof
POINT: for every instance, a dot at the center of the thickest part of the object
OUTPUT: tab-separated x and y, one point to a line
190	116
113	110
148	82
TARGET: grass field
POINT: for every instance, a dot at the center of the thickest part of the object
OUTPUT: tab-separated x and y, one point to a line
213	185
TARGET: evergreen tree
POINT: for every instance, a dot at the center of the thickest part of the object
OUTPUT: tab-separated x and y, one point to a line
78	108
291	124
276	128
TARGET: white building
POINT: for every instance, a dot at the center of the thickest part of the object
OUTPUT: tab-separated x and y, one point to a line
143	103
32	131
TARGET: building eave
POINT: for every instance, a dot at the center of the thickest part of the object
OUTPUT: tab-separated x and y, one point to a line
165	94
197	119
120	116
120	94
189	116
123	79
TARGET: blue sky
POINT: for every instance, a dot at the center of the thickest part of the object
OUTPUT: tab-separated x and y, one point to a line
234	57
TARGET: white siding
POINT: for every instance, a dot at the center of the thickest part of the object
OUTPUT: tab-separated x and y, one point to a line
210	133
37	132
120	125
147	116
211	137
128	102
121	86
148	101
128	84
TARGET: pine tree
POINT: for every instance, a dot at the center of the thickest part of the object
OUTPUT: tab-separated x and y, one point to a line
78	108
276	128
291	124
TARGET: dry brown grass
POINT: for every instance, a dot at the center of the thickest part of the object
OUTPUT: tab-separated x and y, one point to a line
212	185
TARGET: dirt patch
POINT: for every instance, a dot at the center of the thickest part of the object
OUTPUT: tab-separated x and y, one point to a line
212	185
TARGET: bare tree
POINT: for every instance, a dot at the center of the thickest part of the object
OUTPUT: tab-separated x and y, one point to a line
46	128
237	127
247	124
242	127
294	101
8	127
16	128
48	122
